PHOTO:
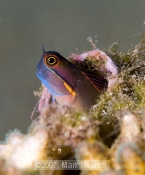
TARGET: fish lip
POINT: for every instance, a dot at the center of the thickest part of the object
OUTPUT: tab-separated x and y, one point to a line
37	67
38	74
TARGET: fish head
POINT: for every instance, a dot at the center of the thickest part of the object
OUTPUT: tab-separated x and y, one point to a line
57	73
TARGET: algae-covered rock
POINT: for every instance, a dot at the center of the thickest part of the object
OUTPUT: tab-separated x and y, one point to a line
114	130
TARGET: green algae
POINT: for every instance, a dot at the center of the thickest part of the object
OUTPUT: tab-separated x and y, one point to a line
115	122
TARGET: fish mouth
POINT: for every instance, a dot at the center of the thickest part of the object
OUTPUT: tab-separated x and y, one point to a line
39	74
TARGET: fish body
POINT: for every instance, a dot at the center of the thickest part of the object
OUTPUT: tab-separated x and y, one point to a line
67	84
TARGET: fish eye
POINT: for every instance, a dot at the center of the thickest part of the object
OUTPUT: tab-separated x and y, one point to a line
51	60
